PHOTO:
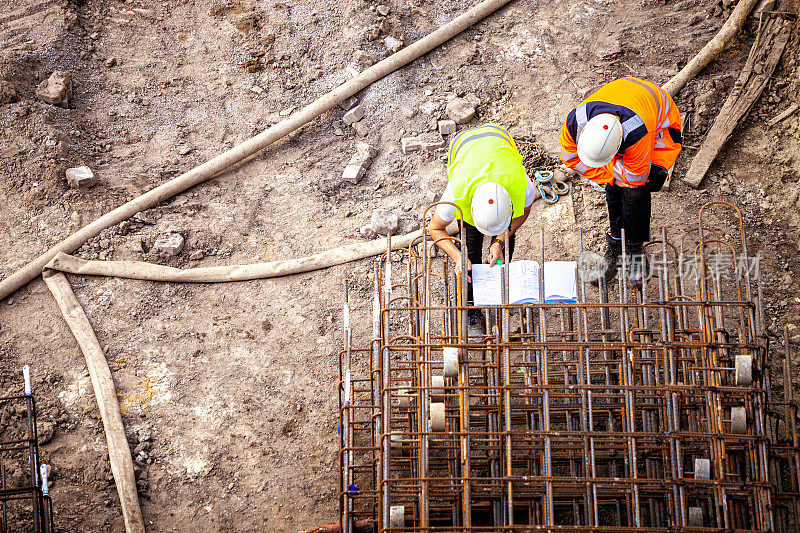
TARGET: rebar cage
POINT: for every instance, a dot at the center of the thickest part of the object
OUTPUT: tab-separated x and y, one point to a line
635	409
25	504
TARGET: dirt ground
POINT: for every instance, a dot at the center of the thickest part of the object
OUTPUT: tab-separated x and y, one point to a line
229	392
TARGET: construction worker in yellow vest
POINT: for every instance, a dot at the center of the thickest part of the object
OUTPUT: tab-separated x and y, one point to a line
488	183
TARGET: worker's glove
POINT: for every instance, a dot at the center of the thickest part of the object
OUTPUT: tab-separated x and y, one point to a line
658	175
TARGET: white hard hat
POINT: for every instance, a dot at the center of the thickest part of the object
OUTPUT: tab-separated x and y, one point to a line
491	208
600	140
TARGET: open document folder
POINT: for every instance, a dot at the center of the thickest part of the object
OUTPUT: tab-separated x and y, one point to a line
559	283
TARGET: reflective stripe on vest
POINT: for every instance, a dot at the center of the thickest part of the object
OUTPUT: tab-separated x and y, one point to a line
628	126
470	135
481	155
634	122
568	156
637	179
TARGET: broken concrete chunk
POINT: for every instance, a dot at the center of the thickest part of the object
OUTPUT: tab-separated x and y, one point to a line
370	151
361	159
56	90
426	141
8	93
354	115
411	144
461	110
382	10
170	244
349	104
353	173
393	44
447	127
80	177
383	221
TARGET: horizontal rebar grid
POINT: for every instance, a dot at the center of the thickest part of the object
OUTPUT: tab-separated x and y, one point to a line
634	409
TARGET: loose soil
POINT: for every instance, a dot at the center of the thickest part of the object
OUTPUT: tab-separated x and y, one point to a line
229	392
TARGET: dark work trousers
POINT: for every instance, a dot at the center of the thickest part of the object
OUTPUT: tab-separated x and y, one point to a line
474	239
629	208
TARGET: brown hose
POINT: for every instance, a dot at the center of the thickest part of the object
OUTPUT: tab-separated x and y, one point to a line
221	274
250	147
119	453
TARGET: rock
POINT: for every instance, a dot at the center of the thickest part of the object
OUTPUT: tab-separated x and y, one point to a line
75	220
349	104
383	221
353	173
361	128
366	232
429	108
393	44
111	61
406	112
8	93
196	255
426	141
362	57
80	177
354	115
461	110
45	431
170	244
56	90
382	10
447	127
407	225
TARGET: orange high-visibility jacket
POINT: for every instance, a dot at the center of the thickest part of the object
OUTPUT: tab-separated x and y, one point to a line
651	131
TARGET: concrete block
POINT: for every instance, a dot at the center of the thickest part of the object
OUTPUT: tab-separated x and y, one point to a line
370	151
360	159
354	115
353	173
426	141
447	127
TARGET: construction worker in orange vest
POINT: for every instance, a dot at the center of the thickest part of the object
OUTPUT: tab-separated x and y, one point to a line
626	135
489	184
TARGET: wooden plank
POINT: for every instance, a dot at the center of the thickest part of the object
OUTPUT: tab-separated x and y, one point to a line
788	111
119	453
761	63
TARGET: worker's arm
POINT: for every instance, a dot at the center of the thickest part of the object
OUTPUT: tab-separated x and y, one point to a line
436	228
569	155
496	249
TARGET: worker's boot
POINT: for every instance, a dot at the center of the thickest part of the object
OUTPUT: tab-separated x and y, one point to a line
638	267
475	323
611	258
